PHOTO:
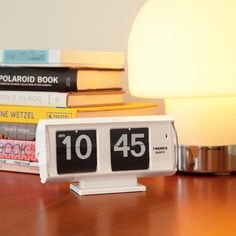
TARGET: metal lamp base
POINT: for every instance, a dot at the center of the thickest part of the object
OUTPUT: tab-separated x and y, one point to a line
203	159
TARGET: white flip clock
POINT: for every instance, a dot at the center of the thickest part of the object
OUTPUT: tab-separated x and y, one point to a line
106	155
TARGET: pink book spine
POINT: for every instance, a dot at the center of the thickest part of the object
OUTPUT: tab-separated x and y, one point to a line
18	150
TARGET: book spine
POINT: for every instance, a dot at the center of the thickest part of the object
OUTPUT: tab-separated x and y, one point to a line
61	58
32	115
18	131
19	162
38	79
26	98
17	167
18	56
17	150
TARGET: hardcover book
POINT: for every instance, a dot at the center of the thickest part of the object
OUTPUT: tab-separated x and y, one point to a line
56	99
18	131
62	58
32	115
18	156
19	166
58	79
17	150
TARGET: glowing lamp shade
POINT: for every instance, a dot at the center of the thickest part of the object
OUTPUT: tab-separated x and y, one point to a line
185	52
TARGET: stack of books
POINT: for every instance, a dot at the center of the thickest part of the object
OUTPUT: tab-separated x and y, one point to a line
47	84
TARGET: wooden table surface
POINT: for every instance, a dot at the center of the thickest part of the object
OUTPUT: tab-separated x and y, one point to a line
176	205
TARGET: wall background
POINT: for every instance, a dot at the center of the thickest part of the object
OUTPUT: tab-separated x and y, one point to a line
69	24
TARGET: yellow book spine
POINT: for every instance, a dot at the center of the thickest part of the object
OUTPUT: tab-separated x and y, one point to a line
32	115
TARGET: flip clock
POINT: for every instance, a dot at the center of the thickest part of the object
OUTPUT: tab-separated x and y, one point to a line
106	155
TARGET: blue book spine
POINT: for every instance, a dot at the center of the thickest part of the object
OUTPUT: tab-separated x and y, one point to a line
25	56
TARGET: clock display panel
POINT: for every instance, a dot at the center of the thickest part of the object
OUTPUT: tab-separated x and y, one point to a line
129	149
76	151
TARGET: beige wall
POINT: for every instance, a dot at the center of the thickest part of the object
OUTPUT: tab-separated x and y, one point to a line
71	24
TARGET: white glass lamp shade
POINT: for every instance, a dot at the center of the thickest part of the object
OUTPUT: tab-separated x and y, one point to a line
185	52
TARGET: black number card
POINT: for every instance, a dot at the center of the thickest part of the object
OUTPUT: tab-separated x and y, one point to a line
129	149
76	151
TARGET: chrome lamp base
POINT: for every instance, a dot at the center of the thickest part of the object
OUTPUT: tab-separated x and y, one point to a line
203	159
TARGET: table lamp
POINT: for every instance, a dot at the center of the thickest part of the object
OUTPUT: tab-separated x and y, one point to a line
185	52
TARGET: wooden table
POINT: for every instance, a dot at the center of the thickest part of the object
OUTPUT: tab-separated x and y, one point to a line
177	205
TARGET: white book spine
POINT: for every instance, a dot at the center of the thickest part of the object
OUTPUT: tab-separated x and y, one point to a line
18	162
54	56
28	98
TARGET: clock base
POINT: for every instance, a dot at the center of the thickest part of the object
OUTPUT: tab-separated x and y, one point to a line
106	185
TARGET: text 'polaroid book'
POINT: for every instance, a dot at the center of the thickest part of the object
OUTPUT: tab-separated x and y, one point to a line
58	79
